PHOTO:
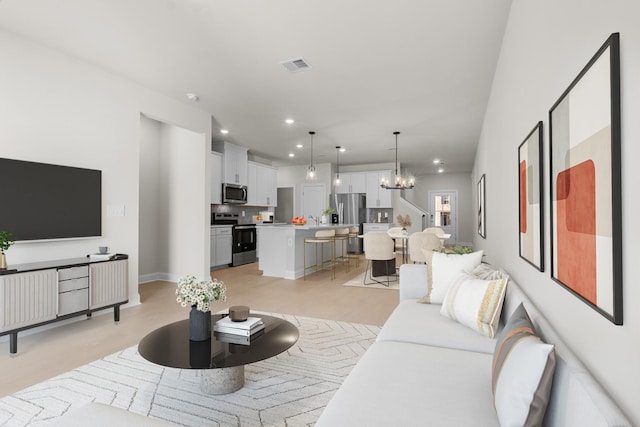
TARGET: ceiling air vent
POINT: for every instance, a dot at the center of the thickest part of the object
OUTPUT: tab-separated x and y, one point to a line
295	65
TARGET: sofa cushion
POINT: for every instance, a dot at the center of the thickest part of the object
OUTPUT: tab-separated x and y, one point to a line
402	384
423	324
475	303
444	268
522	373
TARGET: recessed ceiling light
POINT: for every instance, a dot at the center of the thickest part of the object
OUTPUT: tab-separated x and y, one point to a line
289	121
291	155
440	170
436	161
193	97
224	131
298	145
342	149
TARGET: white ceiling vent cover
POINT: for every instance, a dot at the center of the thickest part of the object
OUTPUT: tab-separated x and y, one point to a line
295	65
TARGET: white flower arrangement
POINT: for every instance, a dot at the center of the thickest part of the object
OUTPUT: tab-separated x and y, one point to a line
200	293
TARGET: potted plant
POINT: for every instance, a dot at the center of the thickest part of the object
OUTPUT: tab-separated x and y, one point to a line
404	221
6	240
199	294
326	213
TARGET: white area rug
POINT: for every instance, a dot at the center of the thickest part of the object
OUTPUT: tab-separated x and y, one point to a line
358	282
290	389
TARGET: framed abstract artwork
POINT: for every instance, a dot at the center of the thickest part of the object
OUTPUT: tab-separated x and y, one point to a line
481	209
531	242
586	219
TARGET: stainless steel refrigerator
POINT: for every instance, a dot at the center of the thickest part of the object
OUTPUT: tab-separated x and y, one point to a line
351	209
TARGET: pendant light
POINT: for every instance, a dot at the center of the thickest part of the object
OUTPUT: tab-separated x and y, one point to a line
311	170
337	181
400	182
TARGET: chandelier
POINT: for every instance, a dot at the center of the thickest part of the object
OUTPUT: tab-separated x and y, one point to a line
400	182
311	170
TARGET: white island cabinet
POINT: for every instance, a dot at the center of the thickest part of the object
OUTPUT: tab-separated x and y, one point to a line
282	247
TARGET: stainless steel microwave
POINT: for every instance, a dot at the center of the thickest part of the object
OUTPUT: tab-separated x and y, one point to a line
234	193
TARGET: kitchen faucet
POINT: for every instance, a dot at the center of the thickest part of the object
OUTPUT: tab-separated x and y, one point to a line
316	219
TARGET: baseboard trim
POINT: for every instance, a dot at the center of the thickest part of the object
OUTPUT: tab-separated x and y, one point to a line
157	277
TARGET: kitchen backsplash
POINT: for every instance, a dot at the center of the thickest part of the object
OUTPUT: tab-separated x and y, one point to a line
380	215
249	211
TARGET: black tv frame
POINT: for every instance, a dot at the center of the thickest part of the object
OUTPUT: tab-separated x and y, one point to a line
42	201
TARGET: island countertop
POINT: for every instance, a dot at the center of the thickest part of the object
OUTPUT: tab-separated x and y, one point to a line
307	226
281	247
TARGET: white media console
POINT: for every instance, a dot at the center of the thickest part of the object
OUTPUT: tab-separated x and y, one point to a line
37	294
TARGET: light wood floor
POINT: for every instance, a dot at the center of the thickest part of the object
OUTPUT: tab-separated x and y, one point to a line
48	353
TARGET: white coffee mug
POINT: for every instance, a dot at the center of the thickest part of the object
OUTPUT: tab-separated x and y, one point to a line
103	249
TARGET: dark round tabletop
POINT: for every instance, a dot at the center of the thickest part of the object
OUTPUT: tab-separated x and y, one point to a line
170	345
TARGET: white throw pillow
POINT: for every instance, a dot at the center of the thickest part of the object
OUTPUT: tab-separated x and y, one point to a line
475	303
444	268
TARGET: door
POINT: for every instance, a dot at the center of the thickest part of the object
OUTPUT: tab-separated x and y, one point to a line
443	206
314	200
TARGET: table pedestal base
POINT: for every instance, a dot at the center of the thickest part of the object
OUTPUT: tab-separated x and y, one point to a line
222	380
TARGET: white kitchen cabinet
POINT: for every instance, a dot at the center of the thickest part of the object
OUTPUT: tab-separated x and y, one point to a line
378	197
108	283
221	245
216	178
262	188
234	164
267	180
252	184
352	182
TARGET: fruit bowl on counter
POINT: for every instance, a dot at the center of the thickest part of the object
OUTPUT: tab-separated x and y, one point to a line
298	220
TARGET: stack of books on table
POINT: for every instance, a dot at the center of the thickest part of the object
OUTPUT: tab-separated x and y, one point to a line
238	332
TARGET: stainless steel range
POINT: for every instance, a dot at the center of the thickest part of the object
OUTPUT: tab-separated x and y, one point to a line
244	238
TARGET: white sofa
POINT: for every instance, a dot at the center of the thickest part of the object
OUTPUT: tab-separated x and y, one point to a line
426	369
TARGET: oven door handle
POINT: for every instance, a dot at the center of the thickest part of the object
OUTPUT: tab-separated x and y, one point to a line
244	227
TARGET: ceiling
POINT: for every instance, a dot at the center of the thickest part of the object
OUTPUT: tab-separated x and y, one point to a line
422	67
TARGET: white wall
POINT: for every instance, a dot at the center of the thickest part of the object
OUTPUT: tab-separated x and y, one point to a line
294	176
152	244
184	156
546	45
459	182
172	179
57	109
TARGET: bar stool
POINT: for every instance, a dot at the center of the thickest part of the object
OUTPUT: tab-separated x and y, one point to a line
322	237
342	237
353	234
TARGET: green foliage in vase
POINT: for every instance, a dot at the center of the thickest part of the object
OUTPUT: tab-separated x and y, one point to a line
457	249
6	240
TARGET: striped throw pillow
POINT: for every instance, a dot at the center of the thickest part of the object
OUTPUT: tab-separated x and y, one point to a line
475	303
522	374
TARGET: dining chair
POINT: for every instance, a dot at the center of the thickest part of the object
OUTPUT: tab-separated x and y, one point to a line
378	247
419	241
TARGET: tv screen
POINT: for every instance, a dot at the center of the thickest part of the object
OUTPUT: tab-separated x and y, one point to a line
42	201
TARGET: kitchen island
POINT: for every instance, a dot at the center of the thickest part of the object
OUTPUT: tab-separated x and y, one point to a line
281	248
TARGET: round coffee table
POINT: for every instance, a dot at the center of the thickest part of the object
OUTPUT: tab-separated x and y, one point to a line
222	358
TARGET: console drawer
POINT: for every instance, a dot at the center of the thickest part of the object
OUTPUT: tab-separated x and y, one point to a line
73	301
73	272
72	284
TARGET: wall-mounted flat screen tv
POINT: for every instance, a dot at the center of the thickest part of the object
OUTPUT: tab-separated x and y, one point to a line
40	201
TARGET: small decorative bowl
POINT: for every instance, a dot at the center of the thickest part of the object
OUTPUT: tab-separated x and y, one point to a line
238	313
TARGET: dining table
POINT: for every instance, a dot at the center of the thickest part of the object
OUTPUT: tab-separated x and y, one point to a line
403	238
